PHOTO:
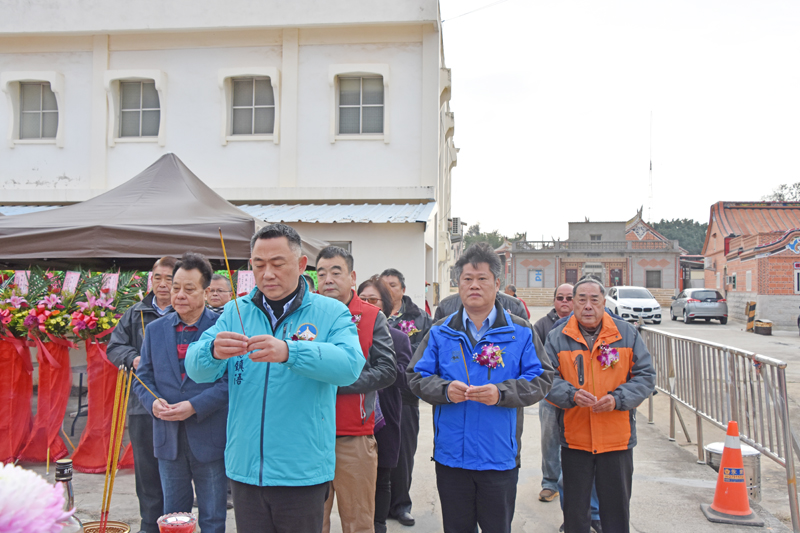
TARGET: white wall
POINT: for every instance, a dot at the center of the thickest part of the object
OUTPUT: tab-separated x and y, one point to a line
376	247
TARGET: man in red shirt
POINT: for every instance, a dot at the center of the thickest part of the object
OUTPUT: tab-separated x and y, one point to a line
356	449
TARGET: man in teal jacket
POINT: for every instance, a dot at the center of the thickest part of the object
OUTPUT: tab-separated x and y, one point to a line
283	370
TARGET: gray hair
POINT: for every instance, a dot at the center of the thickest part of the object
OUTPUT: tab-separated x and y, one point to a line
480	252
585	280
274	231
217	277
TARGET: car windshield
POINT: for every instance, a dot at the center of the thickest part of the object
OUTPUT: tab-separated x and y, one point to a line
706	295
636	293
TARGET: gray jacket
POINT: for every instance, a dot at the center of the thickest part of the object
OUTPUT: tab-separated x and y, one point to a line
380	370
452	303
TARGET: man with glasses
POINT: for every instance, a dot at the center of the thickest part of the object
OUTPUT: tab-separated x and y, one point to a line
356	449
551	460
603	372
218	293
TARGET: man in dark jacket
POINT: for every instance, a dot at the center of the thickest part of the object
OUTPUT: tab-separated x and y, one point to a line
452	303
189	418
412	320
356	449
124	348
551	448
479	368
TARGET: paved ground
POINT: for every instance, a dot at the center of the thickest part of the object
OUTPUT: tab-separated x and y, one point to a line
668	485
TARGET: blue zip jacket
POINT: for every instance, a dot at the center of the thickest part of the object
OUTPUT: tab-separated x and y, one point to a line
282	416
469	434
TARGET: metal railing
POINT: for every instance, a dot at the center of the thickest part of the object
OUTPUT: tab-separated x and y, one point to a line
721	383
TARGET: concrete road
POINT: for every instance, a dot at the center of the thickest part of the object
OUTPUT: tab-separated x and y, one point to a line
668	484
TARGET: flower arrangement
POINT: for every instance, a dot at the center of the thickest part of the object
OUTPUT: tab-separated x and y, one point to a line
490	356
28	504
408	327
356	319
94	317
47	316
13	310
608	356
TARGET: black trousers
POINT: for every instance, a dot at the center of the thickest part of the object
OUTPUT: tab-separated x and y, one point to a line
383	494
612	472
476	497
279	509
401	474
145	468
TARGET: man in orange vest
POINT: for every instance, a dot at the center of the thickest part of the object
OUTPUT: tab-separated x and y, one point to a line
603	372
356	449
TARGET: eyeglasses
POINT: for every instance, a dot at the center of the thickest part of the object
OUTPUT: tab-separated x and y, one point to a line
373	301
562	298
218	291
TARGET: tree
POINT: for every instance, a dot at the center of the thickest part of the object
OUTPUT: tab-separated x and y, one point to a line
690	234
495	238
784	193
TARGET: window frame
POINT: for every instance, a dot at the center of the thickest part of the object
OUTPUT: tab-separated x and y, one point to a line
225	79
10	83
358	70
141	109
360	106
660	279
112	80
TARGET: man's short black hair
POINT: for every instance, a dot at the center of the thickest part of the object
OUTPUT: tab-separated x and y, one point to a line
273	231
217	277
480	252
330	252
396	273
192	261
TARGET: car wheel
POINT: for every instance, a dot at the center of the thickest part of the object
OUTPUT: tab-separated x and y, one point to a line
723	320
686	319
673	317
656	322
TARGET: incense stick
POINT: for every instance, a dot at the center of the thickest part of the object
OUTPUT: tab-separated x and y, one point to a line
118	446
463	358
230	277
143	385
111	440
68	439
141	313
48	461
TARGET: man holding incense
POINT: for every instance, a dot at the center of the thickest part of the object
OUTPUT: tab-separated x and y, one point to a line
285	351
603	372
124	348
479	368
189	418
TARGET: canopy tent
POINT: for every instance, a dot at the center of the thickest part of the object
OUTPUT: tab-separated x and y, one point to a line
165	210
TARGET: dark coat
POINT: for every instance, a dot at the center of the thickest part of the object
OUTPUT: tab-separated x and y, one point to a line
125	343
391	404
159	369
423	322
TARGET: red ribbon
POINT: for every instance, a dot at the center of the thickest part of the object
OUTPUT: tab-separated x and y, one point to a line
19	344
55	340
93	340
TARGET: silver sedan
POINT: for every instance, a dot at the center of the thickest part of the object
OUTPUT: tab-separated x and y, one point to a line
692	304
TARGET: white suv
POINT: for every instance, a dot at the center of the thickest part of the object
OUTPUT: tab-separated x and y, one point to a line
633	302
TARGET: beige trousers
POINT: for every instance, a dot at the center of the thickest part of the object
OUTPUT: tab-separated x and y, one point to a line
354	485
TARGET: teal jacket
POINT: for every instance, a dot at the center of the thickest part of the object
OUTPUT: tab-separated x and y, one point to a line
282	416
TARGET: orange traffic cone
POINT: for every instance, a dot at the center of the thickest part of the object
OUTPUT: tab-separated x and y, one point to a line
731	504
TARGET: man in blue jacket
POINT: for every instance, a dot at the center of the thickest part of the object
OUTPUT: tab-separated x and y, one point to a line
188	418
283	371
479	367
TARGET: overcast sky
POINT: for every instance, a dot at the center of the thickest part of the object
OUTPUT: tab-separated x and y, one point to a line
552	102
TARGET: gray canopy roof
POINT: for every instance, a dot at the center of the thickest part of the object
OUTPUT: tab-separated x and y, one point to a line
164	210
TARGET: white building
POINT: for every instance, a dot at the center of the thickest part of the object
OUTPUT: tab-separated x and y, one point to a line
270	103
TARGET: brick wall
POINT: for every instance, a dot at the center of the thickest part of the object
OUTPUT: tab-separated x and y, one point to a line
541	297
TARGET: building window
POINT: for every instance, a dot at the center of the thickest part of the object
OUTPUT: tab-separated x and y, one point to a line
360	105
732	282
345	245
652	279
140	109
253	110
595	237
36	101
136	106
748	281
39	111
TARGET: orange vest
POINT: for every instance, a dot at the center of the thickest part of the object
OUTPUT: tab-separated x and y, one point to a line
355	413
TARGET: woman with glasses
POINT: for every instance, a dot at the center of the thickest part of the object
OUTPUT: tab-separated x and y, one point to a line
387	421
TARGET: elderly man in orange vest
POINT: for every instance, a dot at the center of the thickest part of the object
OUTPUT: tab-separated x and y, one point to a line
603	372
356	449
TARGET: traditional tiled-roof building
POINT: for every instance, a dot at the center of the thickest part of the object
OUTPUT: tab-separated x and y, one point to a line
752	253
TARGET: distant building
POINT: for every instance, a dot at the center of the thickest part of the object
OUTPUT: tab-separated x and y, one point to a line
618	253
752	254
